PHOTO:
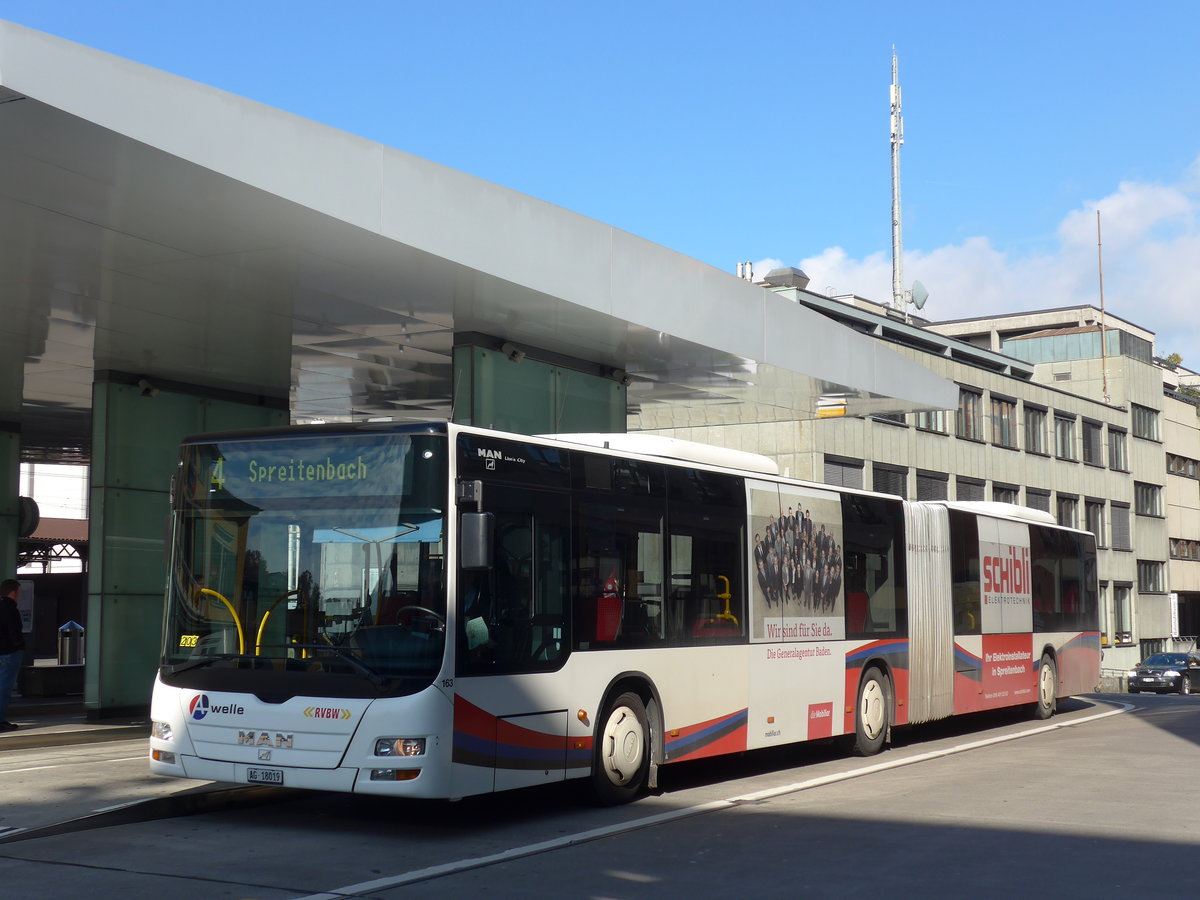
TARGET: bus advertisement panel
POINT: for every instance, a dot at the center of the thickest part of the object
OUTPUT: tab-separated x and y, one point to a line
796	547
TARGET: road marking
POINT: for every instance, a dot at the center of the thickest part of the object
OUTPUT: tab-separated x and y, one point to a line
91	762
126	804
583	837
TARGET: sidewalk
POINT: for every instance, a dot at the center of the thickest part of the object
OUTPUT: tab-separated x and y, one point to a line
61	721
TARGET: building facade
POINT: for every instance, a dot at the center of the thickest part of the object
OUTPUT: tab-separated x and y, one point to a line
1057	411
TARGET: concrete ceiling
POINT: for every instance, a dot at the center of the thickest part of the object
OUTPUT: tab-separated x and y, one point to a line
156	227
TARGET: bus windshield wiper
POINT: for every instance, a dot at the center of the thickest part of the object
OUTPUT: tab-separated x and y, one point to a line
342	653
176	668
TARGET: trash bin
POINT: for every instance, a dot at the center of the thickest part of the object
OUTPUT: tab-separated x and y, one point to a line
70	644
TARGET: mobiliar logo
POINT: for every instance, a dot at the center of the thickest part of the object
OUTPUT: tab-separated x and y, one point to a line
1006	574
820	720
200	707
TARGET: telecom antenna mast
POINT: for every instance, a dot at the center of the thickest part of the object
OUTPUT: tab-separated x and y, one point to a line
898	298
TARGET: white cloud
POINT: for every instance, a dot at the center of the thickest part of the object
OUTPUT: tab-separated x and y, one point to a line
1151	253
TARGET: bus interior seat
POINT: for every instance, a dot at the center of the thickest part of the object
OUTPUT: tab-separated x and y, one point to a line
610	610
712	626
858	613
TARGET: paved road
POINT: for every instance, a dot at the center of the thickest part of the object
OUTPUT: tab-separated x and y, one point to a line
1083	808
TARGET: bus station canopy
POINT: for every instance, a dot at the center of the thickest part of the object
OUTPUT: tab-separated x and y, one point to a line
155	226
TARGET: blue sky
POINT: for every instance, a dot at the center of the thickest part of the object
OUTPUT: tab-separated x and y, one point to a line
759	130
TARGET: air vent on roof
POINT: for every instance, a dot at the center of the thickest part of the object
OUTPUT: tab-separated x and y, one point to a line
787	277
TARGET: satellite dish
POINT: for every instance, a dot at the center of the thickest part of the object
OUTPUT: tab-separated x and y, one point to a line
919	294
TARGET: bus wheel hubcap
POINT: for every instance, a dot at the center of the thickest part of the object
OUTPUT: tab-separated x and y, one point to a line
871	709
623	745
1047	684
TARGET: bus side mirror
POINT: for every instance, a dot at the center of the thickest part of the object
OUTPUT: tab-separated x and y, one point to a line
475	551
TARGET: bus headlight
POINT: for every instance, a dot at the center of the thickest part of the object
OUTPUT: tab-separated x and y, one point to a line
400	747
161	730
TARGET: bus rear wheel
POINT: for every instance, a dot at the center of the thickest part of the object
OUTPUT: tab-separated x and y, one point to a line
1047	701
873	713
622	757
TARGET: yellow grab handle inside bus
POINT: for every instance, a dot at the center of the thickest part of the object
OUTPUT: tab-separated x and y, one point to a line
262	626
726	596
232	612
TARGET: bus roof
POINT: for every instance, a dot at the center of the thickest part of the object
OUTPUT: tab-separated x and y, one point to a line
1000	510
672	448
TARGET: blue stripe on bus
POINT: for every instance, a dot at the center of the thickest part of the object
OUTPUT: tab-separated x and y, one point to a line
690	743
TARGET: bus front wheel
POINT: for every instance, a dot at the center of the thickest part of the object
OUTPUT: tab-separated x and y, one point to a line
873	713
1047	701
622	757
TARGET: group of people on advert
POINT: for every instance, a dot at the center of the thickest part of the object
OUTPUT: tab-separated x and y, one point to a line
798	564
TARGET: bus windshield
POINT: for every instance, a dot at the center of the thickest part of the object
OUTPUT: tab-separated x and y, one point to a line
310	554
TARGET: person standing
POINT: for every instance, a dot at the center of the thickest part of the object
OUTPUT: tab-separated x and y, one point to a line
12	646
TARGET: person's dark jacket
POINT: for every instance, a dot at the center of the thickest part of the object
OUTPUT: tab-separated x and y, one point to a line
11	638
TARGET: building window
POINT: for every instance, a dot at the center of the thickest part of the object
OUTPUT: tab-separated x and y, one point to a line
933	486
889	480
1035	429
1147	499
1093	512
968	488
1006	493
1123	613
1181	548
1068	511
1144	421
891	418
970	415
1182	465
844	473
1036	499
1093	443
1117	459
1004	422
932	420
1150	576
1119	516
1064	437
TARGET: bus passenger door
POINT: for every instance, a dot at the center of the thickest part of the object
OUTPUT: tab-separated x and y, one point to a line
512	710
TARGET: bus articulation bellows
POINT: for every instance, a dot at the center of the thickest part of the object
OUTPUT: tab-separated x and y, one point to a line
441	611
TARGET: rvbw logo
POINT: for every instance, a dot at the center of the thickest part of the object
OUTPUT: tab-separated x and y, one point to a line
200	707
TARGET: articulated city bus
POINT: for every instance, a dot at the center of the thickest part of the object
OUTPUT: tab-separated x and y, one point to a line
441	611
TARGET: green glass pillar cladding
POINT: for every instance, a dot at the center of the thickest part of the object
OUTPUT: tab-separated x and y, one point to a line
517	392
135	445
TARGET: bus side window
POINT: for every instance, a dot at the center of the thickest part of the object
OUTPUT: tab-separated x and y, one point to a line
964	573
876	599
707	599
513	615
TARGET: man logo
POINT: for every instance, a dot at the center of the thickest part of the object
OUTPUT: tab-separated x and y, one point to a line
266	739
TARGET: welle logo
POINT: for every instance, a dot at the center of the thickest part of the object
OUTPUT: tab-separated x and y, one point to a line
200	707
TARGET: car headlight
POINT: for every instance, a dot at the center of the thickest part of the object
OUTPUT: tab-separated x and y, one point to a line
1132	673
1170	673
161	730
